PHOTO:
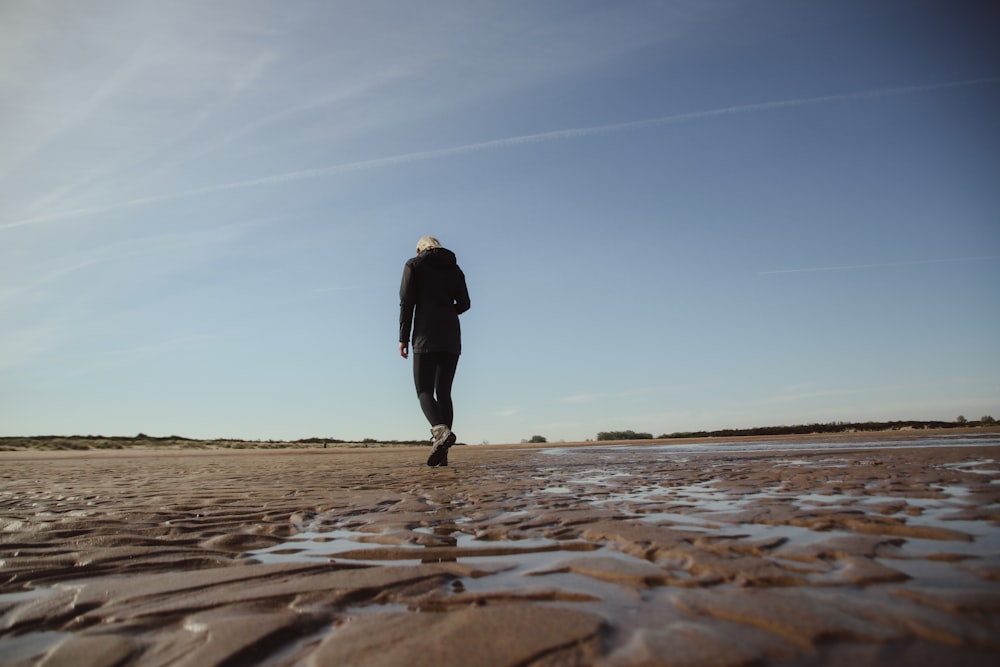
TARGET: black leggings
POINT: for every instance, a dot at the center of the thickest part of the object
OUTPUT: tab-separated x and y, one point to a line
433	373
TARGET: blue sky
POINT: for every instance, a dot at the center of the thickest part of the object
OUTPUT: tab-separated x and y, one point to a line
672	215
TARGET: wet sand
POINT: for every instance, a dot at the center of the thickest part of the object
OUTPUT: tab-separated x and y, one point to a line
861	550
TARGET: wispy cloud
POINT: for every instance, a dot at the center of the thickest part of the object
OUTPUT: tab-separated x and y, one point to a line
244	77
353	92
880	265
80	113
508	142
220	236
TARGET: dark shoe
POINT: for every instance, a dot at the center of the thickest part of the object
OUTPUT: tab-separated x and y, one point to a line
439	451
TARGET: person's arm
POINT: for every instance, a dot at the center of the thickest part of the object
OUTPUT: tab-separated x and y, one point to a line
407	301
462	302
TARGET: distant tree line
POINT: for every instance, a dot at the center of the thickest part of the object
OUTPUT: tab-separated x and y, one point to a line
624	435
84	442
832	427
801	429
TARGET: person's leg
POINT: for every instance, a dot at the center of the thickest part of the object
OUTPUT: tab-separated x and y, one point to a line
433	374
444	376
442	385
424	374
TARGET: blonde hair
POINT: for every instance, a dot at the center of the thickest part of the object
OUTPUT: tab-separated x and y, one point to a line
426	243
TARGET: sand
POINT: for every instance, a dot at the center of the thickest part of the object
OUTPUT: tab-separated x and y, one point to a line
871	550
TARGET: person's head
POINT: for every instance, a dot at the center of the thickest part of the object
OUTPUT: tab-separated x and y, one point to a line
427	243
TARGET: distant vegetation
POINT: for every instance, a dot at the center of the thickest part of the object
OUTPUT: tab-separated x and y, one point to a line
143	441
802	429
624	435
832	427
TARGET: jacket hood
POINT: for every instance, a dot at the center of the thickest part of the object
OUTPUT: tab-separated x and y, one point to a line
438	258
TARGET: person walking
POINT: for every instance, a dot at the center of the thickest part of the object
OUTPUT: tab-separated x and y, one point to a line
432	295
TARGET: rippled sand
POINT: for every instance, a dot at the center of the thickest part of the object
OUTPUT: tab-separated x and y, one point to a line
798	552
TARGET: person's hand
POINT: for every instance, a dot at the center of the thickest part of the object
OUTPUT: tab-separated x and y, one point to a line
404	350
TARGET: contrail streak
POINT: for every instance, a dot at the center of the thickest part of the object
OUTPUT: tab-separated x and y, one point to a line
880	265
507	142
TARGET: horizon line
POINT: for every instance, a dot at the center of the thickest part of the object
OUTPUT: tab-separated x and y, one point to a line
146	436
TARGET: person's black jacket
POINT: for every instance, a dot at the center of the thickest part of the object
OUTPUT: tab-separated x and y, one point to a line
434	286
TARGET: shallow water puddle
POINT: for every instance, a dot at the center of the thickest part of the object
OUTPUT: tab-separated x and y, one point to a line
703	498
984	467
512	566
938	521
600	477
357	547
310	545
21	596
22	647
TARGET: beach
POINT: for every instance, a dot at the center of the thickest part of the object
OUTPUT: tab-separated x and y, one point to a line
861	549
